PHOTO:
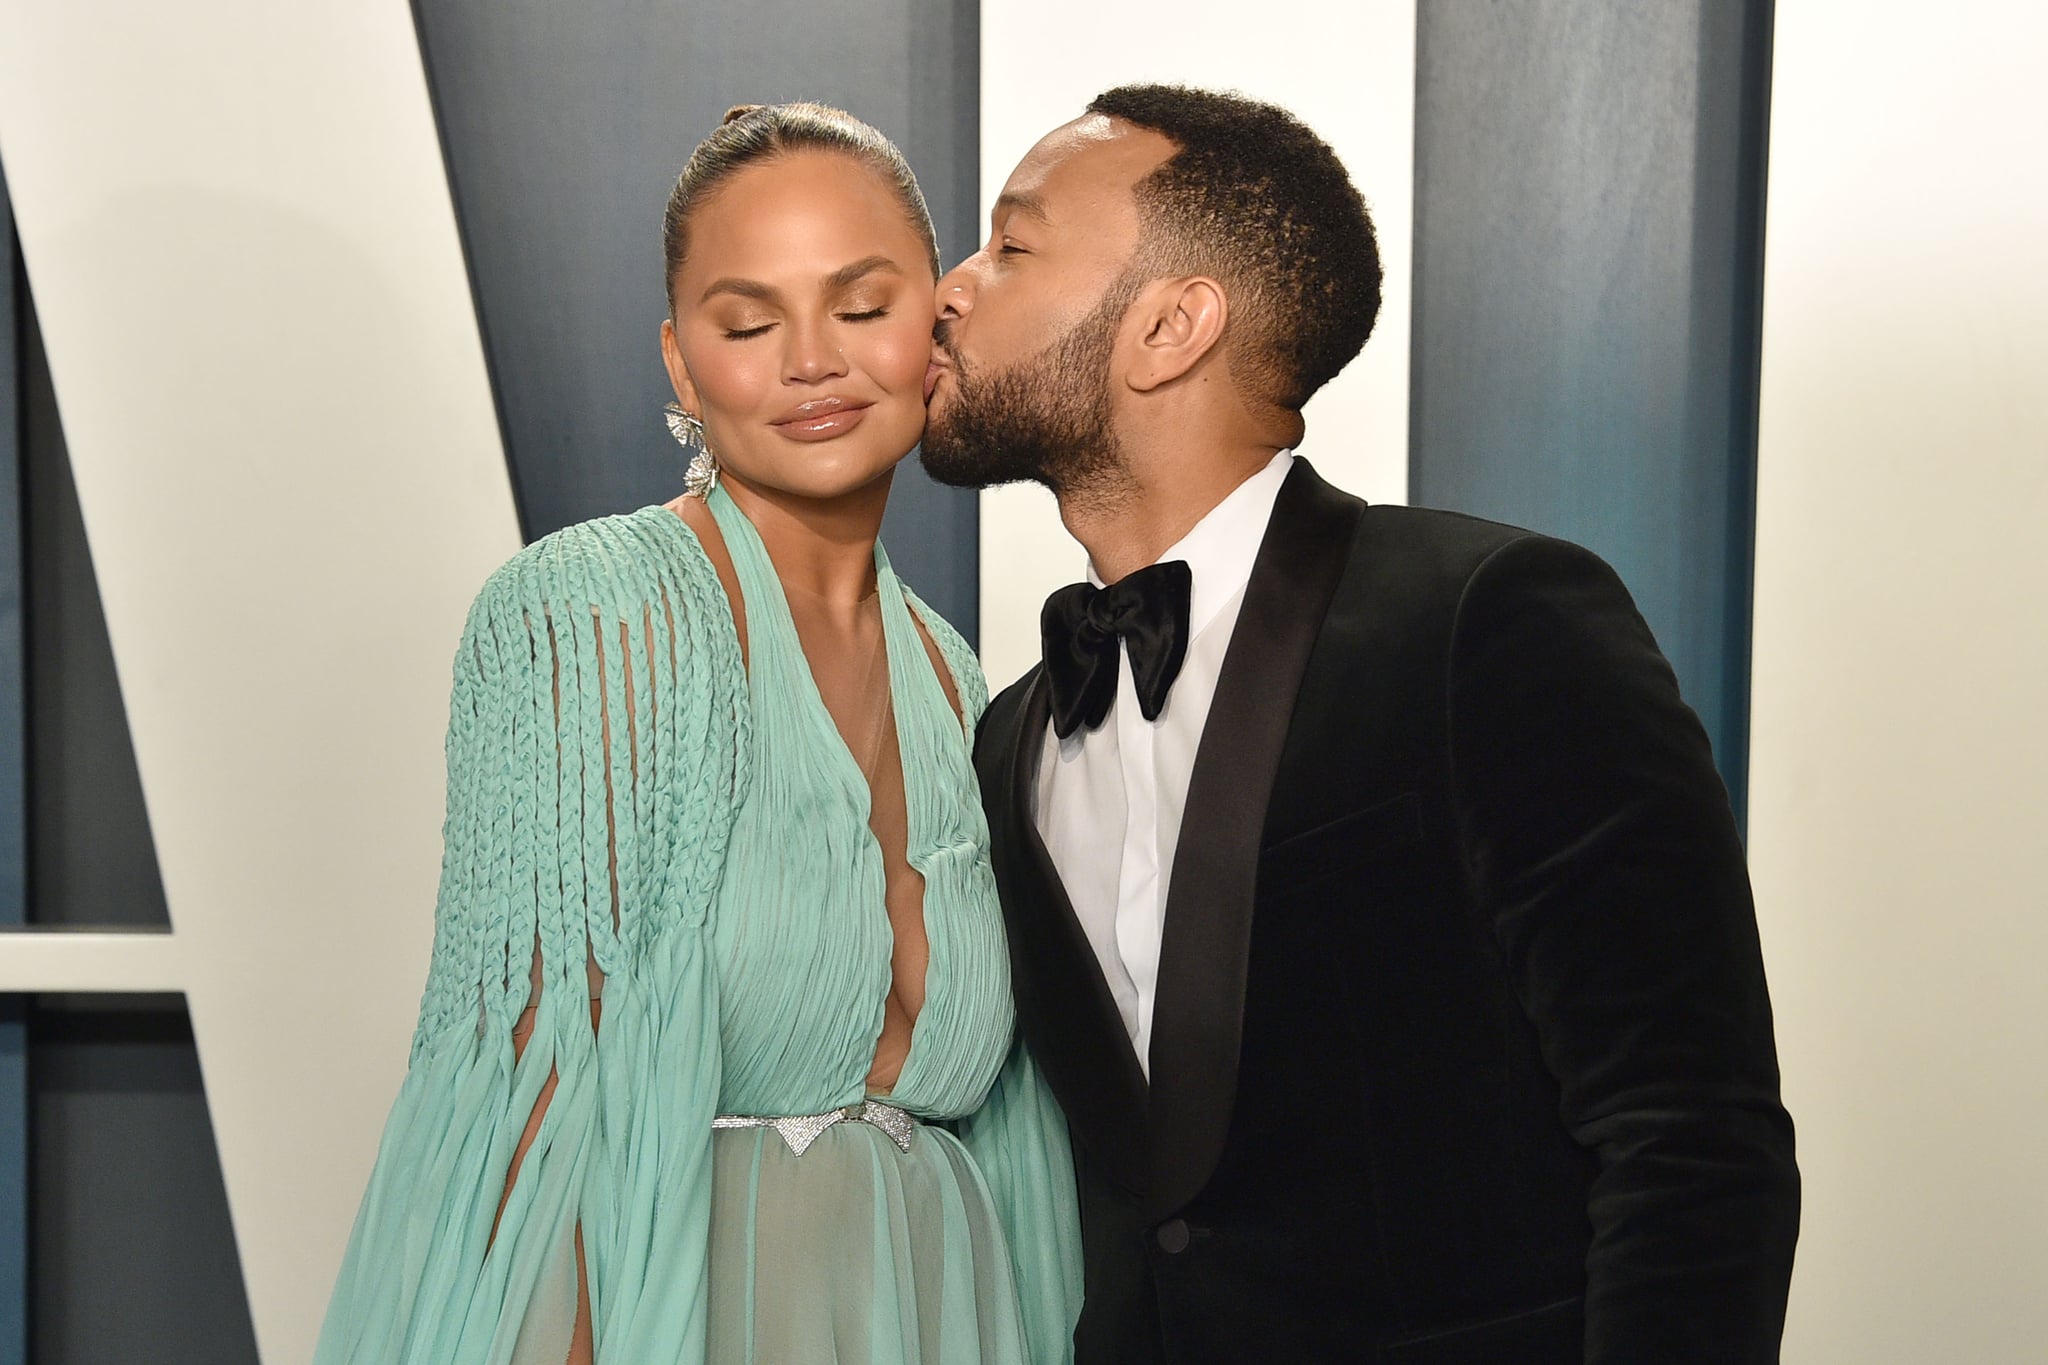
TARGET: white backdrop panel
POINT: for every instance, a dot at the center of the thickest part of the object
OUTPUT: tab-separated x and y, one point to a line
240	242
1347	67
1897	788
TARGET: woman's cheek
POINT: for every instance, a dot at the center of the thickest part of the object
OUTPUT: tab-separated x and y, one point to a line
733	378
901	362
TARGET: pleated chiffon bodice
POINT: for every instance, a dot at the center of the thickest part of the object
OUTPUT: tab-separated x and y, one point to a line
804	879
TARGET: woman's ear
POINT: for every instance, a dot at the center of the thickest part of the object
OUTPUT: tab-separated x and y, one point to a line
1181	321
678	373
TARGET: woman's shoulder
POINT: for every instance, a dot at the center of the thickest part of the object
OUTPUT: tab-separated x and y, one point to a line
640	578
623	563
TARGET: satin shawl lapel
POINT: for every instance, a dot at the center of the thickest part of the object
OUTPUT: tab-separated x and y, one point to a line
1198	1013
1069	1018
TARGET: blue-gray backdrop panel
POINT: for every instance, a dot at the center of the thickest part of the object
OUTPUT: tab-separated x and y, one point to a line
1588	231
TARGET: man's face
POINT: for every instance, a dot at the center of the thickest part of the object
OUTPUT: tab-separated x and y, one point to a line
1028	325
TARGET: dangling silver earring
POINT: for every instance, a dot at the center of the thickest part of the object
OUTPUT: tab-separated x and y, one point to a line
702	475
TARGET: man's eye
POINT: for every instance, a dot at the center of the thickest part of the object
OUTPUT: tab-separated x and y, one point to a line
742	333
1012	249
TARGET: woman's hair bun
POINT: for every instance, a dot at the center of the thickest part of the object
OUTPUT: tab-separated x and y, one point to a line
754	133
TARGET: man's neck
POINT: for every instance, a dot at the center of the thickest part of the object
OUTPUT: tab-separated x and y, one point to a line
1128	526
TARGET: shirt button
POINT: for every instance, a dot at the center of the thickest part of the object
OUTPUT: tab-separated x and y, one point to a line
1173	1236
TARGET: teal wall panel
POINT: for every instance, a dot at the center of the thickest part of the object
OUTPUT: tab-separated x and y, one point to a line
1588	234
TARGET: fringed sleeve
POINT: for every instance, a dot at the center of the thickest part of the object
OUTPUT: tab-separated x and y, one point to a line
596	752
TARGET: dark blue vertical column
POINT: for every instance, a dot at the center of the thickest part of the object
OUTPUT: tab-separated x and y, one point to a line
13	816
1588	224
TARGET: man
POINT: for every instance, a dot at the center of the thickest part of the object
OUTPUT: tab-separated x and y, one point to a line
1377	914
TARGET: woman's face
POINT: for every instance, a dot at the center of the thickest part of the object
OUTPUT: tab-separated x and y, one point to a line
803	326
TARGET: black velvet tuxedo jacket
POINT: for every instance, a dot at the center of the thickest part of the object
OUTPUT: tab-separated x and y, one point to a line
1461	1046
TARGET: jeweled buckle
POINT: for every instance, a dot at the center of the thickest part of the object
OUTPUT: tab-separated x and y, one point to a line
800	1132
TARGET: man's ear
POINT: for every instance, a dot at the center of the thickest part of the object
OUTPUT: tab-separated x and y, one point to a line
1182	321
678	373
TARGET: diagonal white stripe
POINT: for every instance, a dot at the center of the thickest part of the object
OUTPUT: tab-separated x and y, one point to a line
241	245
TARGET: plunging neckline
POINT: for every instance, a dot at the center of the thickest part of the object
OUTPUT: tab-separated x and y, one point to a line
785	621
734	525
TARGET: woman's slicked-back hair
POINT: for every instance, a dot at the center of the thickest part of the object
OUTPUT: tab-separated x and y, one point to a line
756	133
1256	199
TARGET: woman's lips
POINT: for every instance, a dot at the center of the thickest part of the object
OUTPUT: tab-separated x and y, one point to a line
822	420
931	378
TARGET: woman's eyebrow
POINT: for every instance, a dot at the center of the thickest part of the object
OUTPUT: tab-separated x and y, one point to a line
844	276
746	289
859	270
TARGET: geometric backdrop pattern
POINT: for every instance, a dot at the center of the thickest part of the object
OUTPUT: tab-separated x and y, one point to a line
395	312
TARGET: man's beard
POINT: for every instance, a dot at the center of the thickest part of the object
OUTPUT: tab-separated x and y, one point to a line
1044	420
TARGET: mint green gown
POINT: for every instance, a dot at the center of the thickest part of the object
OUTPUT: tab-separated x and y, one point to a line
633	811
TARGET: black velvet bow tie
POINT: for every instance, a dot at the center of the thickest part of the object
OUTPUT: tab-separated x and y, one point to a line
1081	624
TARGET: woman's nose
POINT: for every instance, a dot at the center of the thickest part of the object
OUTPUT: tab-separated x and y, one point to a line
812	356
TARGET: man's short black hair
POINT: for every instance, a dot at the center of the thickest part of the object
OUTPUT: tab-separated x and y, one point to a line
1257	200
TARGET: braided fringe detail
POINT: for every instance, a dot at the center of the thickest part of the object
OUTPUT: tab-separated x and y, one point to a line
598	744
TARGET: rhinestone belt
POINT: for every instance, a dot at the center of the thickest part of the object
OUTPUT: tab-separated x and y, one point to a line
799	1133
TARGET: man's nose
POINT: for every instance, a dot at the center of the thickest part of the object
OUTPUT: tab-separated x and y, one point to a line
956	291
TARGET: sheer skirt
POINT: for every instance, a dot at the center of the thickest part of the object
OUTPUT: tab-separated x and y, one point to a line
855	1253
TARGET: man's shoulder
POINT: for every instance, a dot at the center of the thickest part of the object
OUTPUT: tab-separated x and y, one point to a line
1002	707
1425	537
1431	571
1461	546
1454	536
1001	719
1424	556
1424	565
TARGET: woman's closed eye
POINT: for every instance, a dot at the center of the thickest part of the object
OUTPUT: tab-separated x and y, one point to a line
745	332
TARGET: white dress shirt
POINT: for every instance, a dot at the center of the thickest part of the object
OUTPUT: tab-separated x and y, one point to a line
1108	801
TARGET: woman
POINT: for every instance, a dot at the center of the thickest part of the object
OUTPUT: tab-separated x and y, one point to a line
715	1058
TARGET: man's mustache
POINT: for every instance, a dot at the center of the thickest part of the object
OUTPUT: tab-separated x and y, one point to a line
942	338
